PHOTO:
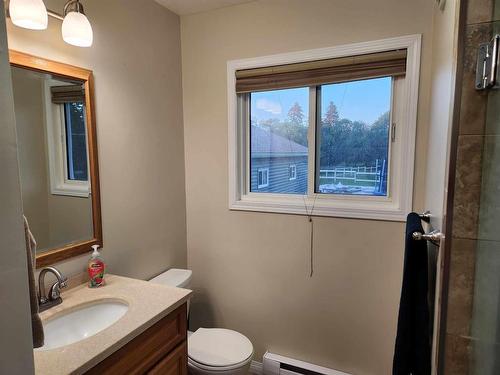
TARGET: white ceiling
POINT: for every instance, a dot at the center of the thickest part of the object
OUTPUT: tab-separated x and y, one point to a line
185	7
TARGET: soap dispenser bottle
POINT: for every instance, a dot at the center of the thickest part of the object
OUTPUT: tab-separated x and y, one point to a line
96	269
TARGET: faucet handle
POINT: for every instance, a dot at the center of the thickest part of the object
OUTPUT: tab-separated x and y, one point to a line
63	283
55	289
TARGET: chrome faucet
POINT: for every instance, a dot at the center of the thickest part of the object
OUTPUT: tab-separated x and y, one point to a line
54	298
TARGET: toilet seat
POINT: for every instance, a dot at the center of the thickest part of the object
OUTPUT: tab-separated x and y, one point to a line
218	349
217	370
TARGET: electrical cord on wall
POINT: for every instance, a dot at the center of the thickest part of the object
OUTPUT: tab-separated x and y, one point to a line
312	247
311	242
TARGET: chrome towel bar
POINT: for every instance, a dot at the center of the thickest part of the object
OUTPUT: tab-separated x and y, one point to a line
435	236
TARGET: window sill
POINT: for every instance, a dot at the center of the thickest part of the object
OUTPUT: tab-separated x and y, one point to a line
71	190
374	208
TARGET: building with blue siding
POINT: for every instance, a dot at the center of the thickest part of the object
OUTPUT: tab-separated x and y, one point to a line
277	164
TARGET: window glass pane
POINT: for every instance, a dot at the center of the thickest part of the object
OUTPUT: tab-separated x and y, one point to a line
353	137
76	143
278	138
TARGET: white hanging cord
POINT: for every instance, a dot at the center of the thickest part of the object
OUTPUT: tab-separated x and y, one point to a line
311	236
311	260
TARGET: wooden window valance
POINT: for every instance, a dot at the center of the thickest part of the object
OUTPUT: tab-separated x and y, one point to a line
342	69
67	94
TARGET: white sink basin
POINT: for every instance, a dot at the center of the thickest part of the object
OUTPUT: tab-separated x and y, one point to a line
81	323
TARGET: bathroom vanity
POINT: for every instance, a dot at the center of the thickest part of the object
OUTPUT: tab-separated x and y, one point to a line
126	327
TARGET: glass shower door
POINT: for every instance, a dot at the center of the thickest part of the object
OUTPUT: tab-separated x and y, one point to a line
471	333
485	324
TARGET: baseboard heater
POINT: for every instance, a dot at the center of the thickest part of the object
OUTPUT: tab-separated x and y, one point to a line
275	364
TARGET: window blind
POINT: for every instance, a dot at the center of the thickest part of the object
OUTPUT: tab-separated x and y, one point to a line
342	69
67	94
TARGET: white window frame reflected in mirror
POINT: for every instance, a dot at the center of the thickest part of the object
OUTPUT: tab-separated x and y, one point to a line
55	127
395	205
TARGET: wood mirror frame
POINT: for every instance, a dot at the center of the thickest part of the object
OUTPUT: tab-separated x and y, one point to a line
29	62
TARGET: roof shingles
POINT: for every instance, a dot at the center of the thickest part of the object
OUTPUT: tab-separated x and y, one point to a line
265	142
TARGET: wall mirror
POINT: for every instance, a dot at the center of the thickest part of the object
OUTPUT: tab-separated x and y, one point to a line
57	149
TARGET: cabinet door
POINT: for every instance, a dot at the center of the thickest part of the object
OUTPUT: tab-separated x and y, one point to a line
173	364
144	352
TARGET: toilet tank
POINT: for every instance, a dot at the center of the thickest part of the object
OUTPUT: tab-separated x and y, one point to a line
177	277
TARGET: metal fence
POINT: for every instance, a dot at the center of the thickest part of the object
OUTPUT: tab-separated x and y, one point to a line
358	175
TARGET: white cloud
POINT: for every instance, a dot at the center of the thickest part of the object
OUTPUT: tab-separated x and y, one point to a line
269	106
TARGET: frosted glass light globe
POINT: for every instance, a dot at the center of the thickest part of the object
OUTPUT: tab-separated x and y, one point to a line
76	30
30	14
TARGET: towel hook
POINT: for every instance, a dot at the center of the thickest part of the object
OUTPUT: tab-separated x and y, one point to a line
435	236
426	216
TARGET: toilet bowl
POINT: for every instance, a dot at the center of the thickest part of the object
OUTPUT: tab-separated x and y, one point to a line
218	351
211	351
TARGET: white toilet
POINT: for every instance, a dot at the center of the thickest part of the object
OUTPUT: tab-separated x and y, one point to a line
211	351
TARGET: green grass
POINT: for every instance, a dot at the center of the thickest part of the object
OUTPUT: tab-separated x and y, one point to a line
363	176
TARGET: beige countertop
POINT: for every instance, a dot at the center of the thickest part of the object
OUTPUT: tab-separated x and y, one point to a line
147	304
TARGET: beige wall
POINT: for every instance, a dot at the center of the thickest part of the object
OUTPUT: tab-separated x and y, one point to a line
251	269
137	69
16	354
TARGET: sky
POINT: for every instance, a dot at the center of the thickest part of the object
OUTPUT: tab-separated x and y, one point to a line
358	101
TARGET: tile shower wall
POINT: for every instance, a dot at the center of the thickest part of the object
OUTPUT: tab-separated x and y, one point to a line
473	316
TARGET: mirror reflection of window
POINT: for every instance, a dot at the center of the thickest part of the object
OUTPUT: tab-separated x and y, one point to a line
76	143
67	140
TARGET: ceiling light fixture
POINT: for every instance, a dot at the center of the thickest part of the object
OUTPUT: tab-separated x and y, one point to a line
76	29
29	14
32	14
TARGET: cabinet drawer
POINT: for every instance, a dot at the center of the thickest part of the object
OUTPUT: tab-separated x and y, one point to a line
143	352
173	364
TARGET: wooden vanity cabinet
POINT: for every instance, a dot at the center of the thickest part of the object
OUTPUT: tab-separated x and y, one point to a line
161	349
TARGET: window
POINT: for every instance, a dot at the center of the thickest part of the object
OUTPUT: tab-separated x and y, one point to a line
353	137
66	139
333	128
292	172
262	178
279	122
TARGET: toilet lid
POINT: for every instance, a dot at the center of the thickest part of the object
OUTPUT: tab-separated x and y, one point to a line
218	347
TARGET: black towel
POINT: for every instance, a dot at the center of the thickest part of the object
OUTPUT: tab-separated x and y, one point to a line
412	353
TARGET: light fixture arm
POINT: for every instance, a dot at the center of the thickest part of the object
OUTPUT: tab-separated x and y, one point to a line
55	15
73	6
